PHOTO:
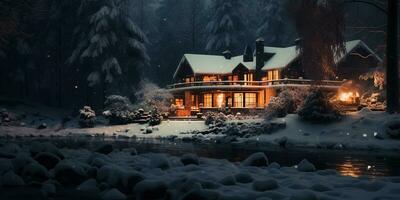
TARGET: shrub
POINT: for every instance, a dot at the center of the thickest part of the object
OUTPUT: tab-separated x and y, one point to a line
155	117
87	117
119	110
318	109
150	95
288	101
215	118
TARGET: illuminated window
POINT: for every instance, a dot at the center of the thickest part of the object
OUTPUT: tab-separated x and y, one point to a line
207	100
209	78
238	100
179	102
219	100
270	75
276	75
251	100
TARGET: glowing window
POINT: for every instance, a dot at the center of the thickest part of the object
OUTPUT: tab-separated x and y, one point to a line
220	100
207	101
276	75
179	102
251	100
238	100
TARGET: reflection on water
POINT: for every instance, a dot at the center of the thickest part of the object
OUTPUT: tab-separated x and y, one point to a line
348	169
348	163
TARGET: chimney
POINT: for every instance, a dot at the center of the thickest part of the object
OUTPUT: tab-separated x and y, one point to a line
227	54
259	58
248	54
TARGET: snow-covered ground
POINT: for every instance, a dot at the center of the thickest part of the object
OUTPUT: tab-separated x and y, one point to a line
359	130
113	174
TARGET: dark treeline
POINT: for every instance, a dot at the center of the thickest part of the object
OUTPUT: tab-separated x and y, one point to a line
70	53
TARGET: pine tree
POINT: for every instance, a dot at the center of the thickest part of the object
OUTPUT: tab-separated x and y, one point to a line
226	28
271	24
109	44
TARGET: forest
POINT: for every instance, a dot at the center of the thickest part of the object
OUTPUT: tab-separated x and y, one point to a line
77	52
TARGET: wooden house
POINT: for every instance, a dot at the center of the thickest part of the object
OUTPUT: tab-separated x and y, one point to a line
247	82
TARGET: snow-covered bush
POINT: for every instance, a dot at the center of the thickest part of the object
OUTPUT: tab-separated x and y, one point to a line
212	118
155	117
87	117
118	103
318	109
149	95
286	102
119	110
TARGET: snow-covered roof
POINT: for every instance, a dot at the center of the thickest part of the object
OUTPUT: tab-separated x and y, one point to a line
281	58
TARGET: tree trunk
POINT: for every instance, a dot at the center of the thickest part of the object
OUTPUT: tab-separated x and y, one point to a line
392	71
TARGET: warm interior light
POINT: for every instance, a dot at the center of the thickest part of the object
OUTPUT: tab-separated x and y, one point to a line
220	100
348	97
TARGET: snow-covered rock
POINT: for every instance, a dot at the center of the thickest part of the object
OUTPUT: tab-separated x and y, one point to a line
113	194
35	172
5	165
306	166
37	147
304	195
188	159
10	179
243	178
105	149
257	160
70	172
20	161
46	159
48	188
88	186
264	185
393	129
228	180
148	189
201	194
160	161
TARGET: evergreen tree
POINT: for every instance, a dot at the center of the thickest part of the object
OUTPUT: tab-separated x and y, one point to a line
110	46
226	28
271	25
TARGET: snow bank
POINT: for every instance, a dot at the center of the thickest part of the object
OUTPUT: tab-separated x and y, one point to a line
160	176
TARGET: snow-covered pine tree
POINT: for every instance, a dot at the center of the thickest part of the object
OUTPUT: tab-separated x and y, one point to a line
226	29
271	24
109	44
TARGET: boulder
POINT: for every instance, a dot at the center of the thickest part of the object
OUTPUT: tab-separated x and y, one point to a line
228	180
264	185
201	194
306	166
89	186
393	129
160	161
37	147
304	195
150	190
5	165
243	178
113	194
46	159
19	162
105	149
70	173
257	160
35	172
10	179
188	159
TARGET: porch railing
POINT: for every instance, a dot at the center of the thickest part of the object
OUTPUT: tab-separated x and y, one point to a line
278	82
